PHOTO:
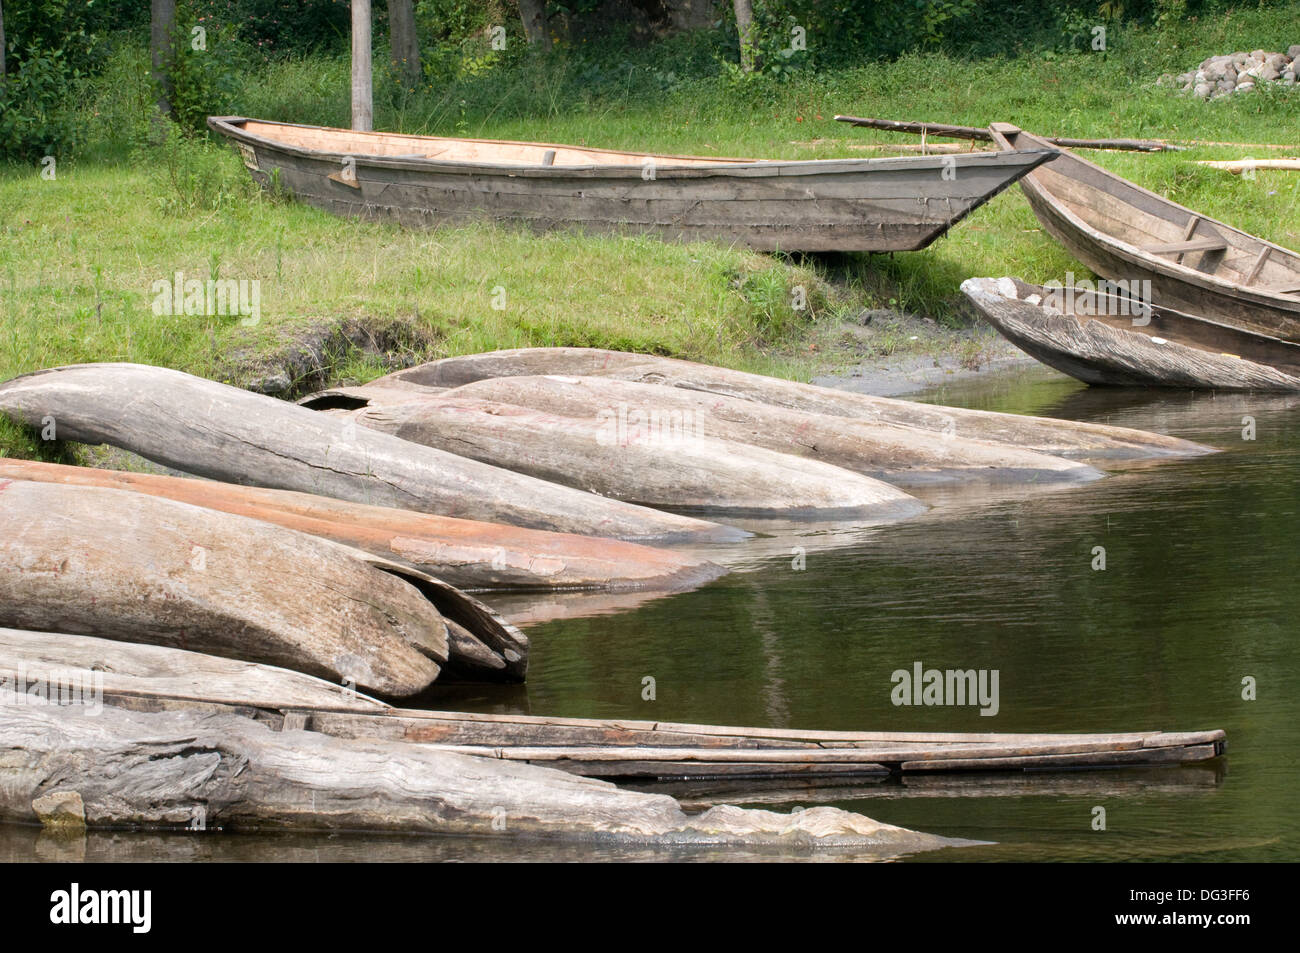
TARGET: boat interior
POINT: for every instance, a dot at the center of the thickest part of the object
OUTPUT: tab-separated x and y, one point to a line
1122	210
397	145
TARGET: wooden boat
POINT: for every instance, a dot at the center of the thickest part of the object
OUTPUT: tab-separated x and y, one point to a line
462	553
671	465
1195	264
1088	336
121	565
883	204
1066	438
616	748
214	430
905	456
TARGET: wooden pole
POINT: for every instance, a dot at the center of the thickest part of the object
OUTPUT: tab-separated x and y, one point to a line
404	46
745	26
162	24
363	100
2	43
983	135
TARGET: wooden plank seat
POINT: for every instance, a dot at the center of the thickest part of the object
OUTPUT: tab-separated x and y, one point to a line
1191	245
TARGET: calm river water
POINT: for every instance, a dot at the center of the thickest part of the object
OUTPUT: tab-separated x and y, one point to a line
1198	593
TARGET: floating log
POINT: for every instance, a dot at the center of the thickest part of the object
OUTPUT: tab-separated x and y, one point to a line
214	430
978	134
1092	341
462	553
1067	438
203	769
901	455
666	464
135	568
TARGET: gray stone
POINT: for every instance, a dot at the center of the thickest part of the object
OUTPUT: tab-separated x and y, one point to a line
1203	90
1293	51
1245	87
60	810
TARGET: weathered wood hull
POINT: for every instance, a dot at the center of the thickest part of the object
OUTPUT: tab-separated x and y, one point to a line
1098	351
125	566
1113	225
887	204
462	553
1066	438
905	456
217	431
191	769
671	467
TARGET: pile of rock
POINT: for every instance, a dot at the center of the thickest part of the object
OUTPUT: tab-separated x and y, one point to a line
1240	72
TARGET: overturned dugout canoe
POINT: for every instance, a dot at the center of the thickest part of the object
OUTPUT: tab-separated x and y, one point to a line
217	431
1094	338
462	553
618	748
121	565
672	469
1067	438
888	204
632	412
220	770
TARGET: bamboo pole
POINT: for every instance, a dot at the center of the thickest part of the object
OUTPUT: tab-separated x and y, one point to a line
1237	166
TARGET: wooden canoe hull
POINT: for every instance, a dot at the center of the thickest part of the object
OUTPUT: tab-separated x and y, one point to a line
463	553
671	468
121	565
904	456
888	204
1110	224
1065	438
224	433
1098	351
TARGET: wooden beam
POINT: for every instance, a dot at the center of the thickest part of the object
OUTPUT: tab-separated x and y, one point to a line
363	108
982	135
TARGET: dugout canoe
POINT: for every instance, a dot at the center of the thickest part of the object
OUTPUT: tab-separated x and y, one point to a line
905	456
121	565
884	204
214	430
1194	263
1089	336
1066	438
619	748
672	466
462	553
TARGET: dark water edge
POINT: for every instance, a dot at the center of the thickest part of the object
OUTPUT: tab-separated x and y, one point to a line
1199	592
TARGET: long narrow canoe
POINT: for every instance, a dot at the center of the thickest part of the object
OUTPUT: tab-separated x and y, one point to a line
463	553
1194	263
888	204
1066	438
121	565
595	747
224	433
1090	338
671	467
630	411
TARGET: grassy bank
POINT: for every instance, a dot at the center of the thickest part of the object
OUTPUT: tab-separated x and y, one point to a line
79	253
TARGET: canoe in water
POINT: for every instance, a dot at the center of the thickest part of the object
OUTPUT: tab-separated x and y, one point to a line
463	553
905	456
1066	438
883	204
1093	338
214	430
121	565
670	467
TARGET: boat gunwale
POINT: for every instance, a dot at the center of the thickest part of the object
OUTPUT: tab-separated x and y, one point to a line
1135	254
229	126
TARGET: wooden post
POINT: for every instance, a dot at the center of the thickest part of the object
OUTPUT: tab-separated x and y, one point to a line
2	43
403	43
363	108
533	14
162	24
745	24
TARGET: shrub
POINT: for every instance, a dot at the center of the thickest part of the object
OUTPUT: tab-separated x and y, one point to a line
37	108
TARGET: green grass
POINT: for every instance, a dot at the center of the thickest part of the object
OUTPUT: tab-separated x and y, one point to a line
78	254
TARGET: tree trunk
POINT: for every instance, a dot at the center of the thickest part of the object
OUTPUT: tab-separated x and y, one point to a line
745	24
363	100
2	43
161	27
403	42
533	13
